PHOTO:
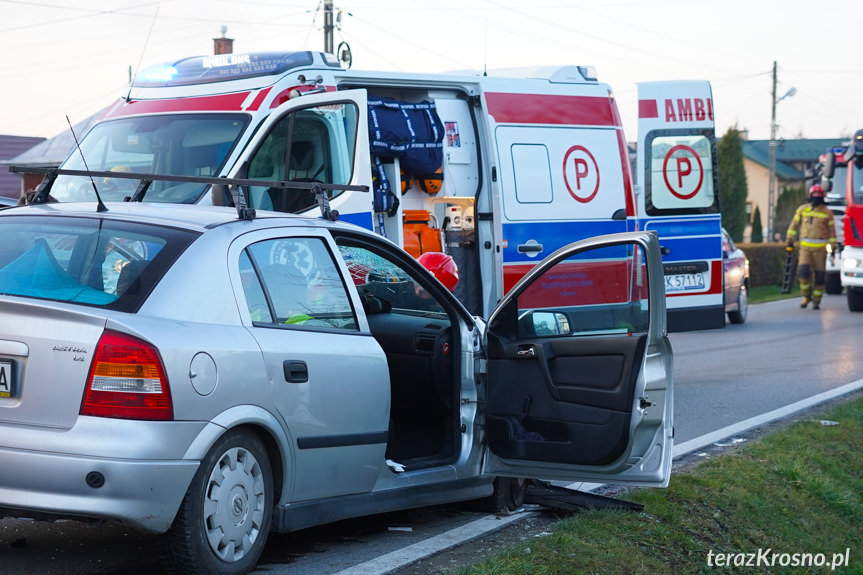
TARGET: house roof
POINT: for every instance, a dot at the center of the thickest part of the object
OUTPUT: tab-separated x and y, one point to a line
51	153
789	152
10	147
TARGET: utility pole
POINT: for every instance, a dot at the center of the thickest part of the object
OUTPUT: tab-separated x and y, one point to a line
329	28
771	190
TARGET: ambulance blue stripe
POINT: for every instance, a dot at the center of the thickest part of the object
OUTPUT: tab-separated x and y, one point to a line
688	239
362	219
693	227
554	235
689	249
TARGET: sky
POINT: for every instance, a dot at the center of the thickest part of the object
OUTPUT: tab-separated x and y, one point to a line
72	58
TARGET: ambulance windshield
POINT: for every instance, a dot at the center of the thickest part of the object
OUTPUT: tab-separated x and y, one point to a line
176	145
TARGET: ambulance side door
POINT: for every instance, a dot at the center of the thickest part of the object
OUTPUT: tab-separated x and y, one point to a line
558	183
579	381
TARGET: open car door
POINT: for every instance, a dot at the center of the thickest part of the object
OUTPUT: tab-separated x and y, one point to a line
315	138
580	369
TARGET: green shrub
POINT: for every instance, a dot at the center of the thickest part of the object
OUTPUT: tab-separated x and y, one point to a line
766	263
757	230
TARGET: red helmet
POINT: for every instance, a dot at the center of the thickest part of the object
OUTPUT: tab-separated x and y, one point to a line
442	267
816	190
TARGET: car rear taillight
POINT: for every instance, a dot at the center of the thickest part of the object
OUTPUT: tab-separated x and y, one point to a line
127	381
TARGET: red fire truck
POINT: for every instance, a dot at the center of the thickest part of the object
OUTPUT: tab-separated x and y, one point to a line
851	255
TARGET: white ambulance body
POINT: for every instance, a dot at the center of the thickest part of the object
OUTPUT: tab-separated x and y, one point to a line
678	197
529	163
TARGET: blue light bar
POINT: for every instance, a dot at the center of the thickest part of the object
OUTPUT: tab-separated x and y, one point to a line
220	68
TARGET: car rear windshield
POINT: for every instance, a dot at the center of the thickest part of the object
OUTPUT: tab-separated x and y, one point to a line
89	261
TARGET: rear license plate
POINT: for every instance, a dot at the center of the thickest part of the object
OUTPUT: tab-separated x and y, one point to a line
684	282
7	388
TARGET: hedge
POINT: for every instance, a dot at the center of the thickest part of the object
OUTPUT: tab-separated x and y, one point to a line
766	263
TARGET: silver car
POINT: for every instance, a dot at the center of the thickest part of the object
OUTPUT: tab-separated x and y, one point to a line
213	378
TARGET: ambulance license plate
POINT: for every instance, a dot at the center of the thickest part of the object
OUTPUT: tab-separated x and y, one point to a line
6	388
685	282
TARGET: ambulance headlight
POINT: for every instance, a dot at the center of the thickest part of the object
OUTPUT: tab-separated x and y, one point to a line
851	263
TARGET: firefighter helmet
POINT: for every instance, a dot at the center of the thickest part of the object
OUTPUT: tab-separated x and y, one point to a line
442	266
816	191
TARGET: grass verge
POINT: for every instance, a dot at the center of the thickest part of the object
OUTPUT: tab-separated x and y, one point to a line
794	491
763	294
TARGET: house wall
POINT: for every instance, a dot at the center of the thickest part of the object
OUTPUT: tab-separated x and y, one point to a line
757	186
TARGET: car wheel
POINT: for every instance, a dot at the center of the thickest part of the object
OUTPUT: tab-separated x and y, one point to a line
855	298
508	495
224	520
739	316
834	284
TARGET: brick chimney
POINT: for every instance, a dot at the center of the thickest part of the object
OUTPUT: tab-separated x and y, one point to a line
223	45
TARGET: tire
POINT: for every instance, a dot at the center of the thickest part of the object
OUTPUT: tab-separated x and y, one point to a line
833	285
508	495
739	316
855	298
223	522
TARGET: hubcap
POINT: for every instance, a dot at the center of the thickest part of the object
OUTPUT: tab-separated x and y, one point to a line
233	504
743	302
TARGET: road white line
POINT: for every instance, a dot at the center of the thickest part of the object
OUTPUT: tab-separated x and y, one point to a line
753	422
417	551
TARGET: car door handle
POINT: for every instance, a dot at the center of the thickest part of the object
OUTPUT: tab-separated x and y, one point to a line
526	351
296	371
529	248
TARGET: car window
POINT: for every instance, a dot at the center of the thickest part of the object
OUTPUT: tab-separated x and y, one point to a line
307	145
727	244
386	287
87	261
295	283
599	291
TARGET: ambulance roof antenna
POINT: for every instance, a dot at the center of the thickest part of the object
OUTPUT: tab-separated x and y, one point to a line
100	206
485	51
141	59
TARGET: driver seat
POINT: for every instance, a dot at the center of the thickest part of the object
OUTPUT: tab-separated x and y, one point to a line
305	166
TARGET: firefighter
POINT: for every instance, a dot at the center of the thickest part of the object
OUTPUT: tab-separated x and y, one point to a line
814	223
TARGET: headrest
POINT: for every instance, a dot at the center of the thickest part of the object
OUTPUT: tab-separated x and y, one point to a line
301	155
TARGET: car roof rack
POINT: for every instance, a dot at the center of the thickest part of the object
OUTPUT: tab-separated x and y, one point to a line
233	191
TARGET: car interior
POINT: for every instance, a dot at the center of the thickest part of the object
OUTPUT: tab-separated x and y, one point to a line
415	332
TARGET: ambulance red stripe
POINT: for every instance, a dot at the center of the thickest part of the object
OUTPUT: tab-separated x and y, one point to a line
648	109
551	109
514	272
259	99
222	102
715	282
624	161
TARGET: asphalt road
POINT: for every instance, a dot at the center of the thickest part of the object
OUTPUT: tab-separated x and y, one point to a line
782	354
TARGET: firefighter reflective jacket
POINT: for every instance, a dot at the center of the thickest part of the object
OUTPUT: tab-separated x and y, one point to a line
815	225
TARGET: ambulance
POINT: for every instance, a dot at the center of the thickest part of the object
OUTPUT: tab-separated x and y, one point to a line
496	170
678	197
